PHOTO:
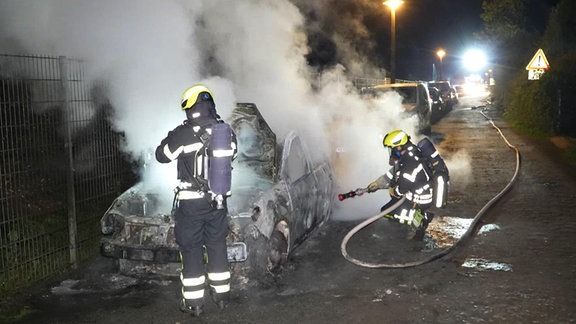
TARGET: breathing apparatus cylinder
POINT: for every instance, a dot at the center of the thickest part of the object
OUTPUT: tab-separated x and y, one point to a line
439	170
220	154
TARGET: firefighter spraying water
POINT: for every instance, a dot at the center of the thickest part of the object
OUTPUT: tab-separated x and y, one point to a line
431	163
418	174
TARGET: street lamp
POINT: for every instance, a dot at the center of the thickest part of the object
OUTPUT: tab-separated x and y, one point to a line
393	4
441	54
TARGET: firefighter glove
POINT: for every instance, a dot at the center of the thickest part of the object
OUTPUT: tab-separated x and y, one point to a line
373	186
392	192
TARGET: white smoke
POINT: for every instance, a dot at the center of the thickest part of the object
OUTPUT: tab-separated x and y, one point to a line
460	165
150	51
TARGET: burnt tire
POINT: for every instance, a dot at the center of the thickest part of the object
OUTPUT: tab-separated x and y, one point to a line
277	256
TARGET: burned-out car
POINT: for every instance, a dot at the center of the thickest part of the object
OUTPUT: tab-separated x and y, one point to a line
279	196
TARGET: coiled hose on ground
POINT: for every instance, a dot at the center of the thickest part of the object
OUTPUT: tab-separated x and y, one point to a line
442	253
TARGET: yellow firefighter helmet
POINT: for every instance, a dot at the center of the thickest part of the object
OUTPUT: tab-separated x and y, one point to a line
395	138
195	93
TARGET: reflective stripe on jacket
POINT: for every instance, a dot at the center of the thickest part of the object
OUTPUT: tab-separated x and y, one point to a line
412	179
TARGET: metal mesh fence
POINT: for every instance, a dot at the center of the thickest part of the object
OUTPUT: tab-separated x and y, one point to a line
60	167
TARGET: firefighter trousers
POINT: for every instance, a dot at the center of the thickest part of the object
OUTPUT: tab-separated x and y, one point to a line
200	231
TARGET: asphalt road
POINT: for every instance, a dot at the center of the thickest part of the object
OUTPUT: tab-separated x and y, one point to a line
520	269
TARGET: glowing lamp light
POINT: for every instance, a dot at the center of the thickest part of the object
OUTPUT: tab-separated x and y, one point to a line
393	4
474	60
441	53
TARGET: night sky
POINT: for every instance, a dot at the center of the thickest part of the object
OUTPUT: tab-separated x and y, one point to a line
423	26
447	24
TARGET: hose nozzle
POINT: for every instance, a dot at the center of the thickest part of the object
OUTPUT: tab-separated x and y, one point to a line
352	194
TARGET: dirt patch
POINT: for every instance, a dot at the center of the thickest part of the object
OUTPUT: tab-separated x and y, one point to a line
564	143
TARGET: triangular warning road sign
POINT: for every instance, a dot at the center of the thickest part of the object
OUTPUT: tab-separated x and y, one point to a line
538	62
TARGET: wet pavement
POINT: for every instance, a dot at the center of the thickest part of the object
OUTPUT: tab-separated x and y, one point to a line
519	267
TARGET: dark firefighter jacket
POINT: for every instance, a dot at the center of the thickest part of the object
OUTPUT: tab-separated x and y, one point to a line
409	178
185	143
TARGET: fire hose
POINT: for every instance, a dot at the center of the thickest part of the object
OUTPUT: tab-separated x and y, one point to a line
469	232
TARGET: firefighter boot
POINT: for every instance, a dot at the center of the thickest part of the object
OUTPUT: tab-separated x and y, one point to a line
194	310
421	230
219	300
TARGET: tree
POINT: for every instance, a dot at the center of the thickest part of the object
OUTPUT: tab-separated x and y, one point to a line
559	36
559	83
545	106
512	30
503	19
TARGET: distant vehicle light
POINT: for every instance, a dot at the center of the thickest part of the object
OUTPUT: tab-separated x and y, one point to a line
474	60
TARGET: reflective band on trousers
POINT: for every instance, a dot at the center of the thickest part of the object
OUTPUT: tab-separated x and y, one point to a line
223	279
193	288
218	276
186	194
187	282
221	288
406	216
194	294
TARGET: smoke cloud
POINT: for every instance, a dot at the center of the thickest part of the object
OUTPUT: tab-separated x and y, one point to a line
150	51
460	165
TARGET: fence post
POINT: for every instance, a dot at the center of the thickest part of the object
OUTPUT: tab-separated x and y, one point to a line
557	125
67	120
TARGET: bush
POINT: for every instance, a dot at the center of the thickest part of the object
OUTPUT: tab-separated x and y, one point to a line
528	106
546	106
560	84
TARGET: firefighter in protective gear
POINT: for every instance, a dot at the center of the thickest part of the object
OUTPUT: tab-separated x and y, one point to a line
199	227
407	177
